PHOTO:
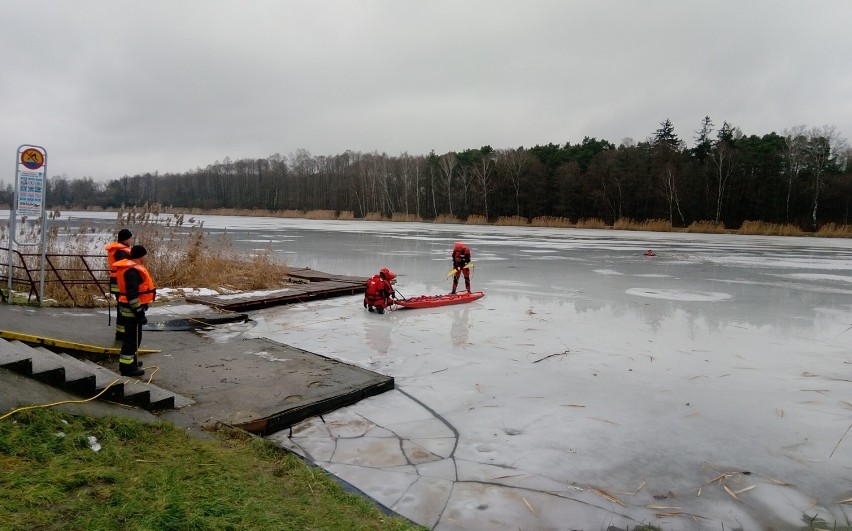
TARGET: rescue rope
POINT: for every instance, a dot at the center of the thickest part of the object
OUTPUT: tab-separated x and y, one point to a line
36	406
104	390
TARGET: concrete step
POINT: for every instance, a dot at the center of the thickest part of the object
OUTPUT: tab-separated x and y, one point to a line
84	377
137	388
75	379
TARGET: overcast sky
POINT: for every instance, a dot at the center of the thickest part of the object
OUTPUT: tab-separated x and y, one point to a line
115	88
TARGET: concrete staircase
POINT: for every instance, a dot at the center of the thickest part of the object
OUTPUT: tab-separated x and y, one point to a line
85	378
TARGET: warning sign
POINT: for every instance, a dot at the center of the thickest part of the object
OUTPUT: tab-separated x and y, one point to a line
32	158
30	181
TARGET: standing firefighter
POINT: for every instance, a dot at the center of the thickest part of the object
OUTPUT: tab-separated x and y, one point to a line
380	290
461	264
135	291
118	250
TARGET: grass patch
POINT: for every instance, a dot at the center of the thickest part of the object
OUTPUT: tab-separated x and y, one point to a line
373	216
154	476
515	221
346	214
769	229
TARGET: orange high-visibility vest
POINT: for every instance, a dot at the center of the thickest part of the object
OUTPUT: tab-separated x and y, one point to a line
111	250
147	289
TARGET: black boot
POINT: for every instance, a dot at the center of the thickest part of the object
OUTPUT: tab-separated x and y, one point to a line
131	370
380	310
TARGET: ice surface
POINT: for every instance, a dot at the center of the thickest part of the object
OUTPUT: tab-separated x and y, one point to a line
707	387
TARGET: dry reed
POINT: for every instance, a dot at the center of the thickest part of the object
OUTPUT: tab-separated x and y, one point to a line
655	225
321	214
477	219
517	221
346	214
551	221
591	223
373	216
445	218
833	230
288	213
401	216
707	227
769	229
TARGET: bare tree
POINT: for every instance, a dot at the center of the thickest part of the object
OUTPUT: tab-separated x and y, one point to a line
822	151
447	164
483	173
795	140
511	164
722	155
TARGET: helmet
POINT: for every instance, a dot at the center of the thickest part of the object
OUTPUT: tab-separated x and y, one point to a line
458	246
387	274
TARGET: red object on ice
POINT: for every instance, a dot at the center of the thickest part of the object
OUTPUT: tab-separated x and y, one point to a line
431	301
650	253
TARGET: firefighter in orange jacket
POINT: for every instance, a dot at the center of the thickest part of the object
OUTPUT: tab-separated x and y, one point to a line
136	290
118	250
380	291
461	258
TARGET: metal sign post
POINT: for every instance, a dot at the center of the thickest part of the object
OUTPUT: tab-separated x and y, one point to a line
28	204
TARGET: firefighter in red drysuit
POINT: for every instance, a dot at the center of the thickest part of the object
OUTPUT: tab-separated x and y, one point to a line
461	258
380	290
136	290
118	250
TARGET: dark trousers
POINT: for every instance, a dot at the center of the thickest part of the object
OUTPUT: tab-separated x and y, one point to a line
128	359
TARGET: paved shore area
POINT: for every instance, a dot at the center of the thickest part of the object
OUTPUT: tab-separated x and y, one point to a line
257	384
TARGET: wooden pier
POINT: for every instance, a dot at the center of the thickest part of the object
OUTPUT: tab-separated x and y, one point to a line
304	285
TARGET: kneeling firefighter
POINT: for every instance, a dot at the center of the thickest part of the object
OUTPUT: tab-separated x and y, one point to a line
380	290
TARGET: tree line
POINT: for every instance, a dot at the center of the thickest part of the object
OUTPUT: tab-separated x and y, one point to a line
802	177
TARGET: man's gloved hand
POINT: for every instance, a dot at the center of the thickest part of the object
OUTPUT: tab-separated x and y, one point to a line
140	315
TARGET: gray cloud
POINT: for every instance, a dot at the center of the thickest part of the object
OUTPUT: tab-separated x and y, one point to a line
114	88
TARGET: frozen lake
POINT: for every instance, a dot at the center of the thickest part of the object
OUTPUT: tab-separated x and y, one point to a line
708	387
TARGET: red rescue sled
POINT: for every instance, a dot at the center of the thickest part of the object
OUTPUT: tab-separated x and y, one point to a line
431	301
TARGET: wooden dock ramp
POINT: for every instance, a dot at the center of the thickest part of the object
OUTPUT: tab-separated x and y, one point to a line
304	285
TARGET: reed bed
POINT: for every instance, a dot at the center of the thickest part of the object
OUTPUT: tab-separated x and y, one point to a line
403	217
591	223
321	214
346	214
373	216
180	254
833	230
654	225
769	229
476	219
707	227
288	213
445	218
551	221
515	221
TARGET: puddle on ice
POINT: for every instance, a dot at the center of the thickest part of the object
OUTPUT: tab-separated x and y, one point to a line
679	295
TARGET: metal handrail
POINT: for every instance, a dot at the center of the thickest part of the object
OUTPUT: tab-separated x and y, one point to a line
63	275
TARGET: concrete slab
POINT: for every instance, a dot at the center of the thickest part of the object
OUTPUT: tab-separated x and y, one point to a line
257	384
